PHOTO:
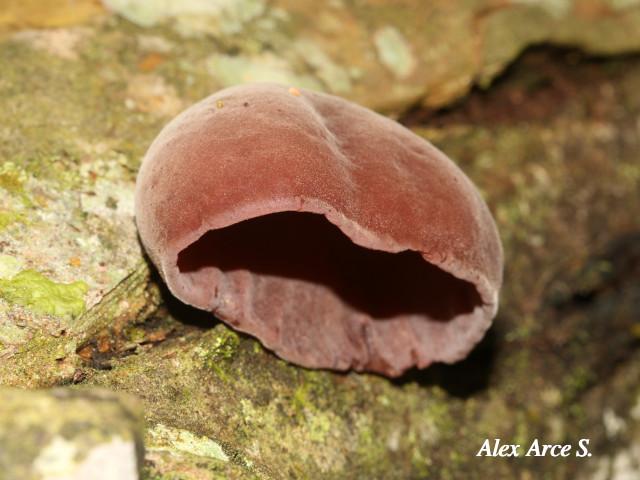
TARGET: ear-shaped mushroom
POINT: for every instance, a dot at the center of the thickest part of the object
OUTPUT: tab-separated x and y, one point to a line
334	235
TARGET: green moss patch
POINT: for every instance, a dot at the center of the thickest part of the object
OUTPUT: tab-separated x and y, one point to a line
36	292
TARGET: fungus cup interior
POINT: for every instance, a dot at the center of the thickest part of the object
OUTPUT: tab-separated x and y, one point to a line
305	248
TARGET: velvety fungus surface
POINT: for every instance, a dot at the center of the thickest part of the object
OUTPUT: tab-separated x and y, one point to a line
331	233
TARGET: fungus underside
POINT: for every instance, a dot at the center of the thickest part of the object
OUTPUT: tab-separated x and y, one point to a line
307	247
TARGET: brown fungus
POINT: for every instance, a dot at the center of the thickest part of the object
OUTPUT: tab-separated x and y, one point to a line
334	235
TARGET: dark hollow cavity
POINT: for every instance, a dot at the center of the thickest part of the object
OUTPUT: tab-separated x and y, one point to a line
308	247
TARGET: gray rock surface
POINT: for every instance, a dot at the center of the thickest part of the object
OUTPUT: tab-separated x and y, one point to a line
65	434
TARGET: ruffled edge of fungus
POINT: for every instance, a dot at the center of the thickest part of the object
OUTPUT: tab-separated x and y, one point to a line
472	325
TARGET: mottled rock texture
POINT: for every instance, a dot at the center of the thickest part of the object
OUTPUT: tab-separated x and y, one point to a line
69	434
385	54
553	146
